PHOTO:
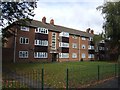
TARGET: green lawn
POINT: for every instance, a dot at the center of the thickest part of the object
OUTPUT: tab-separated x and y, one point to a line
80	73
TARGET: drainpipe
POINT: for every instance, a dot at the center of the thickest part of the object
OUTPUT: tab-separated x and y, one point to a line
79	50
14	59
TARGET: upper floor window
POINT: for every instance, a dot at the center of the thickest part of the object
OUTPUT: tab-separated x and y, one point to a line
63	55
90	39
41	42
24	40
74	45
74	55
23	54
62	44
83	46
23	28
40	55
90	47
83	38
53	40
64	34
74	36
41	30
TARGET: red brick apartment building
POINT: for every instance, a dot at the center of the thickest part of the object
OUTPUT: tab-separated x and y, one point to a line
42	41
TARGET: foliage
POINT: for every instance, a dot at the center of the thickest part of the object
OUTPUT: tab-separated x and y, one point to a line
12	11
111	12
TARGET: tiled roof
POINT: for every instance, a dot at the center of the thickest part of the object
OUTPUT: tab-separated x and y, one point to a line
35	23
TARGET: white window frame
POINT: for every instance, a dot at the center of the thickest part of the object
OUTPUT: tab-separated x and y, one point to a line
90	55
41	30
90	47
74	45
23	54
64	34
22	40
83	55
90	38
40	55
74	55
74	37
63	55
62	44
83	46
83	38
41	42
53	41
24	28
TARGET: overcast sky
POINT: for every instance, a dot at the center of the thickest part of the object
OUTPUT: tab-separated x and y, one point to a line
77	14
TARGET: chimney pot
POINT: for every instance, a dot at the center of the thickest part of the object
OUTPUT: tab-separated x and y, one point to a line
88	30
44	19
52	21
92	32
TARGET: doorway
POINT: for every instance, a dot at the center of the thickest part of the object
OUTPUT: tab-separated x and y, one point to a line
54	57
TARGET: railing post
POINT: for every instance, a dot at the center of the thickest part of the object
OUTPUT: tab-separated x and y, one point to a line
115	70
67	79
98	72
42	77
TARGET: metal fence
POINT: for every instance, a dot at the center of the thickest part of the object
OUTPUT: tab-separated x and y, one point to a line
70	78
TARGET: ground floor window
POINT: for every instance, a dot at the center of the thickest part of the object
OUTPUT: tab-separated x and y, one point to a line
40	55
74	55
91	56
23	54
83	55
63	55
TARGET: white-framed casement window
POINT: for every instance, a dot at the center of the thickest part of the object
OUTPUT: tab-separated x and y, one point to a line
90	38
74	45
63	55
90	55
24	40
83	55
62	44
90	47
23	28
83	46
83	38
74	55
23	54
74	36
41	30
64	34
40	55
41	42
53	40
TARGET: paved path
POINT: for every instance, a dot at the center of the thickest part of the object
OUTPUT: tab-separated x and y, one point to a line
112	83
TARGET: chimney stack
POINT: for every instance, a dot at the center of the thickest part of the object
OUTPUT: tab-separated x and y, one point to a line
92	32
44	19
88	30
52	21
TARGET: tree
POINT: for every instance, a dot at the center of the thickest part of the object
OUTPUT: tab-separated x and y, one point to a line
12	11
111	12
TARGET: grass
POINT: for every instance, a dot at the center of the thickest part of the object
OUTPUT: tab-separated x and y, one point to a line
80	73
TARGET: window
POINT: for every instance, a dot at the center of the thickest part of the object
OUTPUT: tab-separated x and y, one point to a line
61	44
83	46
83	38
64	34
63	55
101	48
41	30
83	55
53	40
23	28
74	36
24	40
91	47
91	56
74	45
41	42
90	39
40	55
74	55
23	54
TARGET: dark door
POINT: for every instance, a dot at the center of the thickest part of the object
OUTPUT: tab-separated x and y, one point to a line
54	57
